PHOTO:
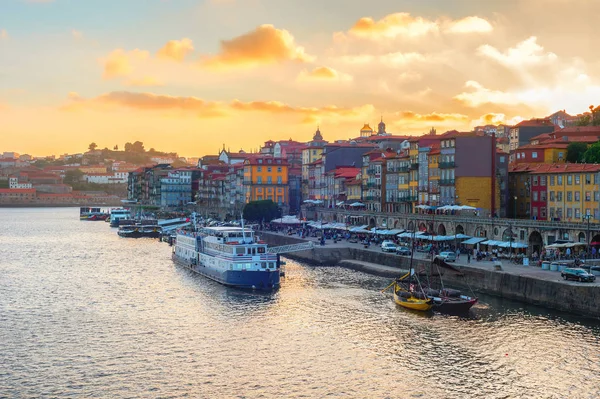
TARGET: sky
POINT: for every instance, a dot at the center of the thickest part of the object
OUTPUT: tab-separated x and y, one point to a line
192	76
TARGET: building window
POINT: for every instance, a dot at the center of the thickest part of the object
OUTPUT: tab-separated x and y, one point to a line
560	156
534	154
559	180
551	195
577	179
543	196
559	196
543	181
260	161
259	180
502	159
534	212
569	196
535	180
577	196
279	169
535	195
279	180
577	213
569	179
569	213
259	168
588	196
543	213
588	179
269	169
551	180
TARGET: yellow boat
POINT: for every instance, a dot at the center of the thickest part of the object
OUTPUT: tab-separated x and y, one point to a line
407	300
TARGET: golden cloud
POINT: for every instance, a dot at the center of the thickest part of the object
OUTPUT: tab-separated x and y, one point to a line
393	25
176	49
263	46
203	108
493	118
146	81
323	74
405	25
119	62
392	59
432	117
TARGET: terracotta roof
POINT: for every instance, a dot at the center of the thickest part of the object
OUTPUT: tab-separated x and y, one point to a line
17	190
265	161
543	146
535	122
347	172
566	168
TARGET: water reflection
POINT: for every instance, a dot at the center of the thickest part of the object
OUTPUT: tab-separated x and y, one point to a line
90	314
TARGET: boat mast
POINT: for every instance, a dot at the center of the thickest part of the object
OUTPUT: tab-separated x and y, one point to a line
243	230
412	248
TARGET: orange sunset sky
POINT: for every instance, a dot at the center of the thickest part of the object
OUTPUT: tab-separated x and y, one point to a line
190	75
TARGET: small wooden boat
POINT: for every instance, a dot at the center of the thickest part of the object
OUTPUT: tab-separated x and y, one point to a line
410	300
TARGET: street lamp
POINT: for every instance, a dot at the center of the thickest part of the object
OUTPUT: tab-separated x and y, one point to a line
515	198
587	217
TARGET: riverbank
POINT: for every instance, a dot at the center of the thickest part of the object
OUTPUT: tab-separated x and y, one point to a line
528	284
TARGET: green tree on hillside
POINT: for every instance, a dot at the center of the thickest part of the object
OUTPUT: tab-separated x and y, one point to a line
137	147
73	176
575	152
92	146
592	119
258	211
592	155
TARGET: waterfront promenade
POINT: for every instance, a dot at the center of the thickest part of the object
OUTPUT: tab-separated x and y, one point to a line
528	284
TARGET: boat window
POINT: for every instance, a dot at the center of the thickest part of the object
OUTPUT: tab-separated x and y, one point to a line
263	265
261	250
240	250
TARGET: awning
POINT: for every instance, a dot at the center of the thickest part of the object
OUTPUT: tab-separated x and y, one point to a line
473	241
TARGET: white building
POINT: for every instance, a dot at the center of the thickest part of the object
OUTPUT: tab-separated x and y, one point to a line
107	178
13	183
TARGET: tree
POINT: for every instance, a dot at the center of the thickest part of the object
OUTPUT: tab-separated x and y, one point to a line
138	147
73	176
116	148
258	211
592	155
92	146
575	152
128	147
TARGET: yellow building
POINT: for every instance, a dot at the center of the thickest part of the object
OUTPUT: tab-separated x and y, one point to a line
266	178
354	189
93	169
567	192
413	184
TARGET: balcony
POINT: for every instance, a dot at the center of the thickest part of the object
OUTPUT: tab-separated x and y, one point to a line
414	165
423	189
403	169
371	198
446	165
373	185
446	182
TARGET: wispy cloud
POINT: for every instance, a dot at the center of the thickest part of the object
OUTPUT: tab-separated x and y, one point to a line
323	74
119	62
527	52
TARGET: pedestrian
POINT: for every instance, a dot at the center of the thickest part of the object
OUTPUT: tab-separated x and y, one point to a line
468	257
457	254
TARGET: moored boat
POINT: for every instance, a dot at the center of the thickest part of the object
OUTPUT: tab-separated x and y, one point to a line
448	300
140	231
410	299
92	214
117	215
232	256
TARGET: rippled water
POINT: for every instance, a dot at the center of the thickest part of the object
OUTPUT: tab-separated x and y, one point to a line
84	313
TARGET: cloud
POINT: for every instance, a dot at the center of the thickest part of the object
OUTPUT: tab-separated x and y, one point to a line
119	62
203	108
432	117
469	25
146	81
176	49
525	53
393	25
77	34
323	74
405	25
265	45
393	59
493	118
3	34
481	95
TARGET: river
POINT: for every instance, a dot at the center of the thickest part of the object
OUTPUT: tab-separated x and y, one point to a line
84	313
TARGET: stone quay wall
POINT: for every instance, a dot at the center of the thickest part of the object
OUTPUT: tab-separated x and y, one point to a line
575	298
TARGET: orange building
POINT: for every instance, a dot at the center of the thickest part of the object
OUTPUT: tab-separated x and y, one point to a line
266	178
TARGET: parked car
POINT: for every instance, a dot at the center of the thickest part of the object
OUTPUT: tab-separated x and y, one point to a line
400	250
577	274
448	256
388	246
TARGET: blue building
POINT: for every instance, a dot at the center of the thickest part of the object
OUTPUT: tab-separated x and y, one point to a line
176	188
